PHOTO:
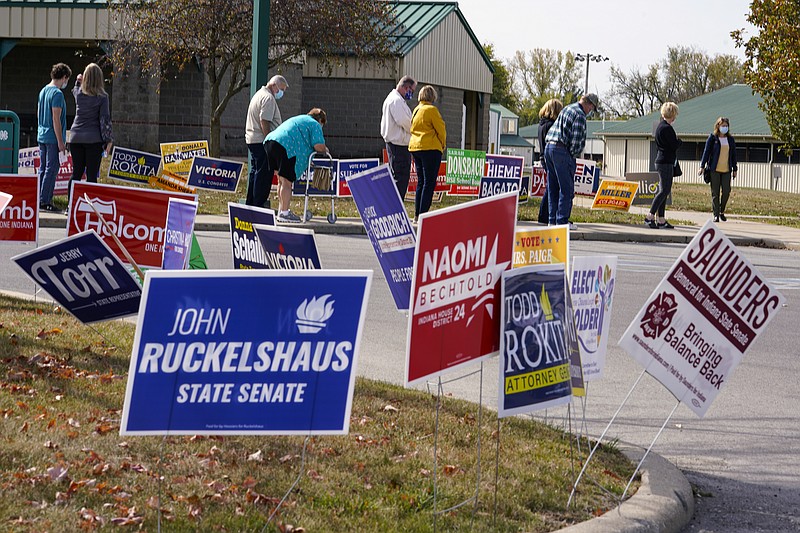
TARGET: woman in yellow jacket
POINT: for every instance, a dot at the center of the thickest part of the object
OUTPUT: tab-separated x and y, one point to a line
428	138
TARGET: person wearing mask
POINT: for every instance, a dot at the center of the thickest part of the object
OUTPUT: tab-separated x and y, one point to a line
396	131
428	140
719	156
91	133
51	133
565	142
667	143
263	116
288	148
547	117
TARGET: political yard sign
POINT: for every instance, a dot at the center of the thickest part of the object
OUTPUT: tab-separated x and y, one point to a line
615	195
246	251
587	177
538	181
465	167
592	288
348	167
288	248
388	228
177	157
209	358
19	221
178	234
648	187
29	162
541	246
214	174
701	319
534	363
133	165
454	317
84	276
135	216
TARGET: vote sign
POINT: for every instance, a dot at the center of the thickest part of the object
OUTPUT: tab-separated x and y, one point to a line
288	248
246	251
19	221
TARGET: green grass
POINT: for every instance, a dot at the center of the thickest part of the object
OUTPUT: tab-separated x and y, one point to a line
64	467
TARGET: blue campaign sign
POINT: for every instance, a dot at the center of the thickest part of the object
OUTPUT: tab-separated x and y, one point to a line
250	352
178	235
348	167
245	250
133	165
504	166
84	276
288	248
494	186
388	227
214	174
524	191
534	364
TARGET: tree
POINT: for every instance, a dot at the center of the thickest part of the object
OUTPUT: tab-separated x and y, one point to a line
162	37
541	74
502	82
684	73
772	64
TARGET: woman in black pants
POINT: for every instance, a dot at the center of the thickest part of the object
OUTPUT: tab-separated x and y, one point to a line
667	143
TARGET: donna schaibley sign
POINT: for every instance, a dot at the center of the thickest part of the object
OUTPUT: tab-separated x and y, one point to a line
214	356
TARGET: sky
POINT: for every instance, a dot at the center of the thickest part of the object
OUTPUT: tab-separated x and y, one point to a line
631	33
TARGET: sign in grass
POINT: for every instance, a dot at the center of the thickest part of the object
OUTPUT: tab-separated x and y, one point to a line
465	167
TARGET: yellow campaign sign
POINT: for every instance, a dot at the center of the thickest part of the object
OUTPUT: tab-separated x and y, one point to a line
170	182
177	157
615	195
541	246
537	379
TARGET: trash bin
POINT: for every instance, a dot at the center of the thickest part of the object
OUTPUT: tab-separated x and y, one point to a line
9	142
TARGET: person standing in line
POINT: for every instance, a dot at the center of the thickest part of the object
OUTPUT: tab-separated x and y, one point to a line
288	148
51	133
547	117
667	143
565	142
428	140
719	156
91	132
396	131
263	116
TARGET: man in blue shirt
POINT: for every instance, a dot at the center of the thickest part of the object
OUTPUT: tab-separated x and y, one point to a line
52	133
565	142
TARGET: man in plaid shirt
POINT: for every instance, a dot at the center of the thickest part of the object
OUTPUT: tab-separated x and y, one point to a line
565	142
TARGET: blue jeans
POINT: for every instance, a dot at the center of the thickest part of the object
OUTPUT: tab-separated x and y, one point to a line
48	170
560	182
259	181
427	163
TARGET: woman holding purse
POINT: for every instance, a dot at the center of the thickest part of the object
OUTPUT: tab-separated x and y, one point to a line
667	143
719	159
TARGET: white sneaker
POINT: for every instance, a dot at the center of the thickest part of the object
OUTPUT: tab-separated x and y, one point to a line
573	226
289	218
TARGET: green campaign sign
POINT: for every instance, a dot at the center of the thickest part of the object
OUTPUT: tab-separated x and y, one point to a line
465	167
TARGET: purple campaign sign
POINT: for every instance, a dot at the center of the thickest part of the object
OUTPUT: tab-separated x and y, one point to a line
504	166
178	237
84	276
215	174
388	227
288	248
246	251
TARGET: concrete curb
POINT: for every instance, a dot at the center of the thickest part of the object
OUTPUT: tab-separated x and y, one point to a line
664	502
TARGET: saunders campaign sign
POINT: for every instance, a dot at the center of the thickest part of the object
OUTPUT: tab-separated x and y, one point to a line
388	228
701	319
534	362
246	252
135	216
288	248
84	276
209	357
454	317
19	221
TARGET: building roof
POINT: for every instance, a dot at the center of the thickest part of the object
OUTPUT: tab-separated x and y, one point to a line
592	128
697	116
416	19
513	140
504	111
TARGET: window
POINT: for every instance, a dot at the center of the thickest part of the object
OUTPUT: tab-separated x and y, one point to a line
509	126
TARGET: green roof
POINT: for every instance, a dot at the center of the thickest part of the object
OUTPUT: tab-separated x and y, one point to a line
416	19
697	116
504	111
513	140
592	128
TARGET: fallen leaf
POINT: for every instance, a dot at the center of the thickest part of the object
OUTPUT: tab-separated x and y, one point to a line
57	472
313	474
256	456
391	408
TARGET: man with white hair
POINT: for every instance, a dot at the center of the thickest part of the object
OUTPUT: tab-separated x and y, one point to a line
263	116
396	131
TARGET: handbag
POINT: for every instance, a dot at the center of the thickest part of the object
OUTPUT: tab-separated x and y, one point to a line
105	130
707	174
676	170
321	178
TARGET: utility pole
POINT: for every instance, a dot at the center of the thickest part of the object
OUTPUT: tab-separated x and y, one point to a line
259	67
588	58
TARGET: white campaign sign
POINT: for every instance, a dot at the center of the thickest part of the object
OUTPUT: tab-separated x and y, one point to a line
698	323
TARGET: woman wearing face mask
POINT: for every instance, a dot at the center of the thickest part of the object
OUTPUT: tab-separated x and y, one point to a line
720	158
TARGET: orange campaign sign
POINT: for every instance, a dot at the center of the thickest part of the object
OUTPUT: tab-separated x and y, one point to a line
615	195
541	246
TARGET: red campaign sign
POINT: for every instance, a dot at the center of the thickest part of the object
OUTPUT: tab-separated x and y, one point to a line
19	222
538	182
63	176
441	184
136	216
454	315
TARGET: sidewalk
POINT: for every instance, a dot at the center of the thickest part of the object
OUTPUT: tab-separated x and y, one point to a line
742	230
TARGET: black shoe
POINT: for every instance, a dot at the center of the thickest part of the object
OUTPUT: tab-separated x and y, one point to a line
722	217
651	223
716	219
665	225
49	208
